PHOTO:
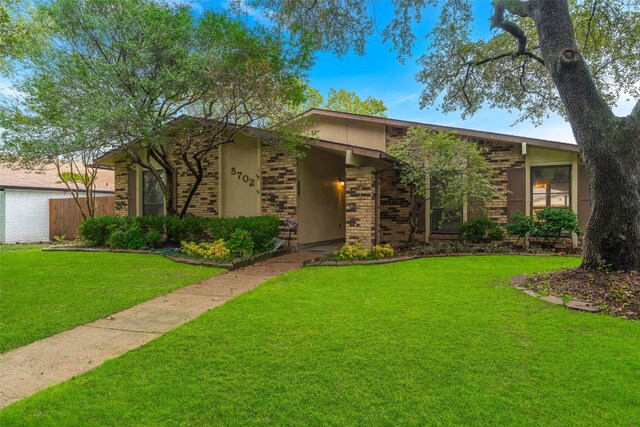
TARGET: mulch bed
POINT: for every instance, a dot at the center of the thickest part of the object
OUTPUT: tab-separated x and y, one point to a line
618	293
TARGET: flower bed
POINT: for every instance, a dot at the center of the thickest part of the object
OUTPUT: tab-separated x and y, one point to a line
617	293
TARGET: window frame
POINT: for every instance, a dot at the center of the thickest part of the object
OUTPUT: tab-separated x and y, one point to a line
432	208
569	168
143	194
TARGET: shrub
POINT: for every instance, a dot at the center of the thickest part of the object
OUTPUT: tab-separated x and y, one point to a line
157	229
351	252
188	228
521	225
481	229
96	231
240	244
262	229
154	238
381	251
217	250
131	237
552	223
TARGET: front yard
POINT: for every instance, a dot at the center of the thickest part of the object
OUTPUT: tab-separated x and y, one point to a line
432	341
44	293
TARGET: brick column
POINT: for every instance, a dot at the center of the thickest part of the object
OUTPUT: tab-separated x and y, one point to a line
360	205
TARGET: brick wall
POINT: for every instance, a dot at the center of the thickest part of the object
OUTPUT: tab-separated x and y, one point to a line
360	205
501	157
395	207
279	192
205	202
122	168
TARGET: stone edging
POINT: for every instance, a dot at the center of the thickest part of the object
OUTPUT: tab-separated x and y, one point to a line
575	304
201	262
320	261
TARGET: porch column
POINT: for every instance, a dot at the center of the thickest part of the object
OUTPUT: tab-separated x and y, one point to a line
360	191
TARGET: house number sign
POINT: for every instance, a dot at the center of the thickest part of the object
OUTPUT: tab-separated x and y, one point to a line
251	182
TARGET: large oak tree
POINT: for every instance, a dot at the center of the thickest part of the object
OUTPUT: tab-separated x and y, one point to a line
575	58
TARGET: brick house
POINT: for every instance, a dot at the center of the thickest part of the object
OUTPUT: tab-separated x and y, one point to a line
347	188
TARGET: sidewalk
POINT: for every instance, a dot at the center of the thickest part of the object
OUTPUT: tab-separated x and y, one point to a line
36	366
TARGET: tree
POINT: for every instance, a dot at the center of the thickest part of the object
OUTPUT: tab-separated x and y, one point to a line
444	164
117	74
576	58
20	31
348	102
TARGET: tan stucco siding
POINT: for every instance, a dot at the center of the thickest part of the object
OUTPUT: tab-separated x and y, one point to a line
240	177
321	212
359	134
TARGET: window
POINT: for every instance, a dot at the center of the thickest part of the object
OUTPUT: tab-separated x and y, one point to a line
550	187
443	221
152	196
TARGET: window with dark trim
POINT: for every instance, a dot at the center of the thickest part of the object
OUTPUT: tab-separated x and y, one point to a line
152	196
443	221
550	187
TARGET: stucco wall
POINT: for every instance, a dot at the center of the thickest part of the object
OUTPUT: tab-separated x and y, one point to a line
321	210
240	178
352	132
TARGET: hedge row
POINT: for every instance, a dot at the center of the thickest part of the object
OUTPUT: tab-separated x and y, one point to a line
153	231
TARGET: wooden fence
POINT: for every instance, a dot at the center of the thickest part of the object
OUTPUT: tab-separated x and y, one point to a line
65	216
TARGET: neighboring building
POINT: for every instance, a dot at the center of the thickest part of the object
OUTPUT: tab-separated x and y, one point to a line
24	201
347	188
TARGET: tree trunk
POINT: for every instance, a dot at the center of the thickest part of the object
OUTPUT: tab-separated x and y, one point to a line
609	145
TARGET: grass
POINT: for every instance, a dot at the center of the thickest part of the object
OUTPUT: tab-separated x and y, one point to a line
44	293
440	341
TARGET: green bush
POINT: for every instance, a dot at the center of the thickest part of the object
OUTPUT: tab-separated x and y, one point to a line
154	238
96	231
552	223
131	237
155	230
481	229
548	225
240	244
262	229
520	226
188	228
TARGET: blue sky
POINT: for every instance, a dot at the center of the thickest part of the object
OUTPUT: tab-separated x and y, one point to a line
378	73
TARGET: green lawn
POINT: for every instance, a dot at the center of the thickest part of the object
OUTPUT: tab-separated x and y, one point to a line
440	341
43	293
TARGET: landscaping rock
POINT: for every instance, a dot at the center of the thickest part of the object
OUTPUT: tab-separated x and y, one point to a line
583	305
553	299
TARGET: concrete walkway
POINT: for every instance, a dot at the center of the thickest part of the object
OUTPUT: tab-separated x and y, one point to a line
36	366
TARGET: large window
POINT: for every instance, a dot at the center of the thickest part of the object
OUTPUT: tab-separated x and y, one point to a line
550	187
443	221
152	196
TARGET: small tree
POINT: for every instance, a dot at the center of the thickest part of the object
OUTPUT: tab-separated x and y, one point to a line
444	164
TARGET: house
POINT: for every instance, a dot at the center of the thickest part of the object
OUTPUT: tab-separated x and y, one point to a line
347	188
24	201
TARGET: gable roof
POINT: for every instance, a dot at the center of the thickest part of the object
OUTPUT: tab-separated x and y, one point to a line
478	134
47	179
